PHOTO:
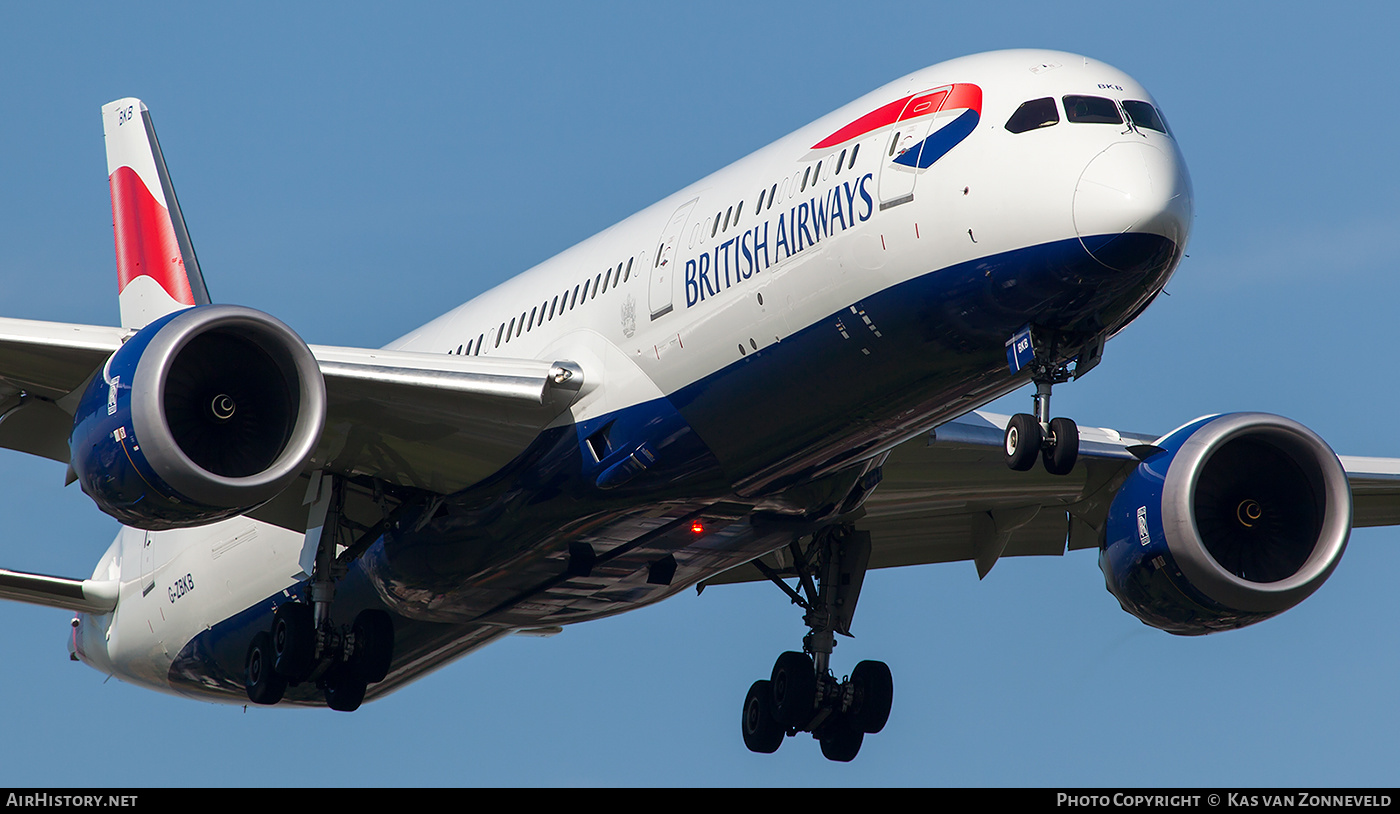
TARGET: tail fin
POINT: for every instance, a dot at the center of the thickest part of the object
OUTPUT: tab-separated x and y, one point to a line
157	271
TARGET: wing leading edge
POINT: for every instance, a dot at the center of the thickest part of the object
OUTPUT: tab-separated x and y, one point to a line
428	421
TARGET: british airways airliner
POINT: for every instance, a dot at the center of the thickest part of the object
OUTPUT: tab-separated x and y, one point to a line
771	375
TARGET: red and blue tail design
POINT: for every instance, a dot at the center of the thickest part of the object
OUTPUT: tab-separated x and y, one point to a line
157	271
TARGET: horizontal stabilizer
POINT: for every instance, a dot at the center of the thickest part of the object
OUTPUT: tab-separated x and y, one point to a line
95	596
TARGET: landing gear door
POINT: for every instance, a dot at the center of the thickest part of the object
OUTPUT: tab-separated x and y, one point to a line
665	266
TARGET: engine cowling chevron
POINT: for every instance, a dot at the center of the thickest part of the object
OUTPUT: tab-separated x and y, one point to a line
1237	518
204	414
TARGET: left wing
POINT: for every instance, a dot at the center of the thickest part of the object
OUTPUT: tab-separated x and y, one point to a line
948	496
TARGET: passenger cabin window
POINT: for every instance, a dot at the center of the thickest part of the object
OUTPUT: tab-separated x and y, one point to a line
1033	115
1091	110
1142	114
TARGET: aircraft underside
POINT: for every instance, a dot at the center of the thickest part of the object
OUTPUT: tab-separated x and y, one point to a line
624	510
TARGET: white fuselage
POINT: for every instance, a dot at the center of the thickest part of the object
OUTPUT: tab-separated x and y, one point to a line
713	277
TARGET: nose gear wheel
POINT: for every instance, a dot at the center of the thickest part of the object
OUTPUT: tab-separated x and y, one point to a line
1054	440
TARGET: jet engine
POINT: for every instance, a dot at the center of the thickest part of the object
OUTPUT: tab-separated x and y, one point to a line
202	415
1233	519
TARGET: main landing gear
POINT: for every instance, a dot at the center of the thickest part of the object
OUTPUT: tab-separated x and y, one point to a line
304	643
1054	440
342	661
802	694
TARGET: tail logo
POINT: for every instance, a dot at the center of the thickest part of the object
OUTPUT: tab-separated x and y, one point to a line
145	239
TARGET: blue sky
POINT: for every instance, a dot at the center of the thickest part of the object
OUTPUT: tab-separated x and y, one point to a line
356	169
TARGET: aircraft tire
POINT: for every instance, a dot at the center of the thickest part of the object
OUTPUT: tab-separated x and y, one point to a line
874	695
794	683
840	741
1022	442
294	641
1061	455
374	645
762	732
264	685
345	691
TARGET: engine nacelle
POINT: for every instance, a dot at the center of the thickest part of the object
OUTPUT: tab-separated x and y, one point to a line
204	414
1239	517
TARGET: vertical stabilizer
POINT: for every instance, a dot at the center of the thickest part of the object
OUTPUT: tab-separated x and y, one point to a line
157	272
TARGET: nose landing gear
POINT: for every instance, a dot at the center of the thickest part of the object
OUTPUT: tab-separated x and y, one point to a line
802	694
1054	440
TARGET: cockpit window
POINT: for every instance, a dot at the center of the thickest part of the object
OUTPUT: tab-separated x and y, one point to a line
1034	114
1144	115
1092	110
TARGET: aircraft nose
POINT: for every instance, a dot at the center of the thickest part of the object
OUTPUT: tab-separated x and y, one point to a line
1128	194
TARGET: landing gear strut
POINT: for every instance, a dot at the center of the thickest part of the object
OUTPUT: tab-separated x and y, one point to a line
305	644
802	694
1054	440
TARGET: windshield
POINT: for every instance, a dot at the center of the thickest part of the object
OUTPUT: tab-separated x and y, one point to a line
1143	114
1092	110
1033	115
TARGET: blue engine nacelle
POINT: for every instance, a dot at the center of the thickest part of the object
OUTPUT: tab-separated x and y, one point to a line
1237	518
202	415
